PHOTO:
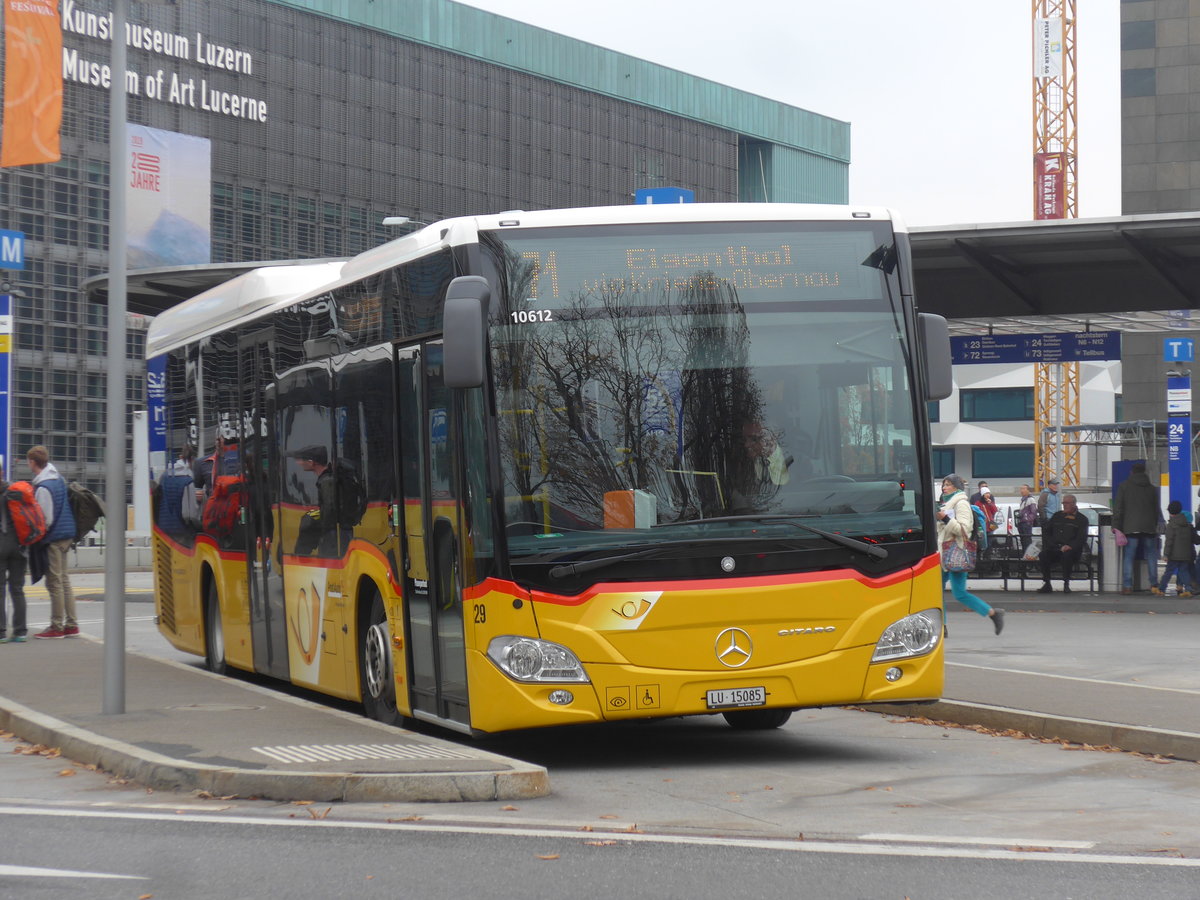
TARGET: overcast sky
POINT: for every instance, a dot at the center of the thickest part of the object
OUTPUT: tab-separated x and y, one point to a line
939	95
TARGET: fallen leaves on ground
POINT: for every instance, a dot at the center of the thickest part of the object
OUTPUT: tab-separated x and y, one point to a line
547	856
1022	735
37	750
320	815
65	773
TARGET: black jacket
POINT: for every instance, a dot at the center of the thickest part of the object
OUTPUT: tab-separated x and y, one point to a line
1064	528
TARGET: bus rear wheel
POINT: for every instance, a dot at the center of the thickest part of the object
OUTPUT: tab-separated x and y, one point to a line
214	632
377	680
757	719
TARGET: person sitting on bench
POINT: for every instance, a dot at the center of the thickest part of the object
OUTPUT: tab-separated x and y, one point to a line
1063	540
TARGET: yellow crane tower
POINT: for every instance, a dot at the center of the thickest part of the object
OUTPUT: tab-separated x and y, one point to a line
1055	196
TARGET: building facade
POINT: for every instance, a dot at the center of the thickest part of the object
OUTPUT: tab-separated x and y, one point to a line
985	428
1160	118
296	126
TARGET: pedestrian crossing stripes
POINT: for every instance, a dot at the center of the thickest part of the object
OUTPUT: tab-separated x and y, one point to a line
335	752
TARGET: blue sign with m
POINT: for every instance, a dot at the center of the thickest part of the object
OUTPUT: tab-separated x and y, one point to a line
12	249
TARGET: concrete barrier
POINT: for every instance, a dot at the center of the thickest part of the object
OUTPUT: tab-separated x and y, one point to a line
90	558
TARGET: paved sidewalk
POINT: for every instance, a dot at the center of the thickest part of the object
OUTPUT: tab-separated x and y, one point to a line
186	729
1094	668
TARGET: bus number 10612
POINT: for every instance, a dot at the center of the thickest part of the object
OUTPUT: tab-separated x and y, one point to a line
524	316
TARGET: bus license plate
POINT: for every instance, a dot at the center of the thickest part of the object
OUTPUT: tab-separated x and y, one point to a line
734	697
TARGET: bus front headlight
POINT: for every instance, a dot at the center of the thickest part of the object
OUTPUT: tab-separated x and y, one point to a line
913	635
533	660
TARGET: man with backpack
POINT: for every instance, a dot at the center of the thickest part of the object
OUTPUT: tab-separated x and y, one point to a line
51	492
12	573
327	529
318	527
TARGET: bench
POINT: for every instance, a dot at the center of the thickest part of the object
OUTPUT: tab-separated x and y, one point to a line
1003	560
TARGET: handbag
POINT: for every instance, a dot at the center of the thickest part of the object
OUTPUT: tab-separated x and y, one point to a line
958	557
1119	537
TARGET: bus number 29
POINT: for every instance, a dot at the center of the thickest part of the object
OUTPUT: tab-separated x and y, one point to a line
524	316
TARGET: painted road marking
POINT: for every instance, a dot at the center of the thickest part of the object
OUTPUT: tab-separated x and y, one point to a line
983	841
332	752
1133	684
773	844
32	872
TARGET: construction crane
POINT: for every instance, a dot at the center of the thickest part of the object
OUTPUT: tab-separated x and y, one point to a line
1055	196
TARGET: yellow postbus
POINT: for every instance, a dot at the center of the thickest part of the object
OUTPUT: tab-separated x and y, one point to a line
565	466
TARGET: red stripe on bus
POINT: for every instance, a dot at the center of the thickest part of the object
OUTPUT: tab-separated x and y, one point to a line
499	585
933	561
726	584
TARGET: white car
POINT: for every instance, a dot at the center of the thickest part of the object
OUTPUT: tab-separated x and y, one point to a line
1007	511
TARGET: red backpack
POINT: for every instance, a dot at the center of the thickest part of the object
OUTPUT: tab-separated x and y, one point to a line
29	522
224	507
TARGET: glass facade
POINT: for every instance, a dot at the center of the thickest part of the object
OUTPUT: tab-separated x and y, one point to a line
319	127
996	405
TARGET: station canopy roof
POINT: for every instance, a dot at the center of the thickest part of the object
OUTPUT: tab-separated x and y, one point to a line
1130	273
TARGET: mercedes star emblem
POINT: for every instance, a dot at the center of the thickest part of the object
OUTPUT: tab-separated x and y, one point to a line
734	648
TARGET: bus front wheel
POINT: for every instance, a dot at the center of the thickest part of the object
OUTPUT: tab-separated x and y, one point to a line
757	719
214	632
376	677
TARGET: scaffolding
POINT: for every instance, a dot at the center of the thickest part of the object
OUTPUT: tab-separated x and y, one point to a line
1147	436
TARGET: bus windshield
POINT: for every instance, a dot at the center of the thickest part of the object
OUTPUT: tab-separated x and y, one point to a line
652	379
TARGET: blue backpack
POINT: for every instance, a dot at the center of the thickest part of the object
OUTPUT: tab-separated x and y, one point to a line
979	533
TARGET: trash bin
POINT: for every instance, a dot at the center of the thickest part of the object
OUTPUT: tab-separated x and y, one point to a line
1110	556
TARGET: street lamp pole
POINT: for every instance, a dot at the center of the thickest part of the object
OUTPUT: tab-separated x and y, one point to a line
114	535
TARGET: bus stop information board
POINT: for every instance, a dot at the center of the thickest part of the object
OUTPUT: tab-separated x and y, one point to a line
1068	346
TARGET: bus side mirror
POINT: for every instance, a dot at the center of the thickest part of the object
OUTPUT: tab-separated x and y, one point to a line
935	342
464	329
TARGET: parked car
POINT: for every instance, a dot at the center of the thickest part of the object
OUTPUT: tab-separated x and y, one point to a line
1007	511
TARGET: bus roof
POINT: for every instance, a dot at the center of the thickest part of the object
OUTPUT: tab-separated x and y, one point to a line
685	212
251	292
262	289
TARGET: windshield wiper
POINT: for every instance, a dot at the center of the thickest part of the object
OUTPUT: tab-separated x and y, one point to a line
587	565
872	550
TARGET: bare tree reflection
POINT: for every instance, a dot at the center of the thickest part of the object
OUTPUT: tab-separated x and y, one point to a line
630	388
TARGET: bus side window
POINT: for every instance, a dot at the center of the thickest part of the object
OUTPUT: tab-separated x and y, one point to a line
304	436
363	391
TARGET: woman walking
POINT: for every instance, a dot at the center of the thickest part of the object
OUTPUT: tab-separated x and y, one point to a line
955	523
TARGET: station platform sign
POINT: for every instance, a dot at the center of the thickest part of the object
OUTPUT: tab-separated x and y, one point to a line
1066	346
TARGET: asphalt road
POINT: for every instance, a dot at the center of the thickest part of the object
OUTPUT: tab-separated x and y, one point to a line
125	853
838	803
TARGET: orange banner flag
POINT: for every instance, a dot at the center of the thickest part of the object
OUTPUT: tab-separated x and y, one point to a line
32	83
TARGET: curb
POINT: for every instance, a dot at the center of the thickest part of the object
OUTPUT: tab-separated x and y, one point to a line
153	770
1130	738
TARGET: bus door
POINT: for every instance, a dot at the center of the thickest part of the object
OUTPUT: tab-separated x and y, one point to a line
429	458
260	472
